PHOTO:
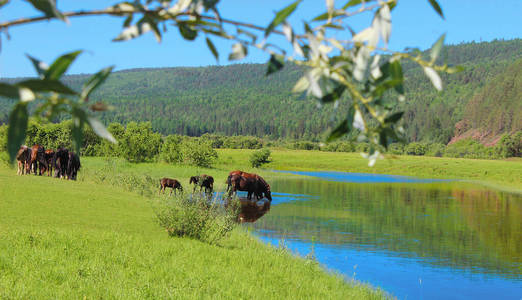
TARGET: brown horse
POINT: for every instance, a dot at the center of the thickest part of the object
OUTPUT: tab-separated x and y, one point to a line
203	181
23	158
38	159
251	183
49	154
171	183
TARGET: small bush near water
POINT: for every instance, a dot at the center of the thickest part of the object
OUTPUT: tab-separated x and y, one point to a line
259	157
195	216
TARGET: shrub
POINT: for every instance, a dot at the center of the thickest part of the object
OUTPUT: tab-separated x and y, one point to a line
259	157
305	145
510	145
435	149
416	149
170	150
468	148
195	216
139	143
198	152
396	148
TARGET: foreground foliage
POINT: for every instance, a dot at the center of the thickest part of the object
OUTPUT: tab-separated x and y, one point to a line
360	68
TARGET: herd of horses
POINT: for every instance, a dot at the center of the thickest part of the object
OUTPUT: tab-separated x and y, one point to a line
237	180
38	160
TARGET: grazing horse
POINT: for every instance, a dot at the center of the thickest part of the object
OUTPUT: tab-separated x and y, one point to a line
60	162
49	154
38	159
251	183
73	165
23	158
203	181
171	183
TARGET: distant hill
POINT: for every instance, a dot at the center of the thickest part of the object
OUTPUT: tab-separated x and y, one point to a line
240	100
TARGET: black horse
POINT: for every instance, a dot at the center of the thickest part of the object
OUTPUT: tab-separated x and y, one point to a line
60	162
73	165
203	181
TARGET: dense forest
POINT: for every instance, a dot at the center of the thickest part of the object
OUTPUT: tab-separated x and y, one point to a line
240	100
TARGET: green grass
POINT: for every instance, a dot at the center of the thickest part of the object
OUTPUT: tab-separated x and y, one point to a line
98	238
85	239
500	174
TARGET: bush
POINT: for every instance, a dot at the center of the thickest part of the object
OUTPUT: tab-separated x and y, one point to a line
139	143
198	152
259	157
396	148
468	148
416	149
170	150
435	149
510	145
195	216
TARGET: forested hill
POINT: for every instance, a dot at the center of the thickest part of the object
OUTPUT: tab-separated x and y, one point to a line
240	100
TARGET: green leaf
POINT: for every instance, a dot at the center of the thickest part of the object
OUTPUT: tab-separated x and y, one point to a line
281	16
238	52
326	15
40	67
344	127
100	130
341	129
46	85
455	69
436	7
393	118
212	48
94	82
17	129
383	139
79	118
435	50
9	91
334	95
48	7
61	64
187	32
352	3
275	64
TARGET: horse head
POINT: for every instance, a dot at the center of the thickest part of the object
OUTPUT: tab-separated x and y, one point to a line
193	179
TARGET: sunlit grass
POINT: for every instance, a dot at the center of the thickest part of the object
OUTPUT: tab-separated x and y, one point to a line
65	239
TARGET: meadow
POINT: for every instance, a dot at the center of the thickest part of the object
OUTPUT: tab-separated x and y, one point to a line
99	238
96	238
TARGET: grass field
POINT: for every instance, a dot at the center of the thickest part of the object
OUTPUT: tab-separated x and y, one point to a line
98	237
500	174
90	239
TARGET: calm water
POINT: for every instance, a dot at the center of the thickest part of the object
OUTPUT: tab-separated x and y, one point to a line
416	239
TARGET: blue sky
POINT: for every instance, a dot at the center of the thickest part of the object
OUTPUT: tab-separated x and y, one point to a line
415	24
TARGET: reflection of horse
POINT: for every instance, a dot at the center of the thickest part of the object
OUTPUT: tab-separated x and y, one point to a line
38	159
203	181
23	158
171	183
251	183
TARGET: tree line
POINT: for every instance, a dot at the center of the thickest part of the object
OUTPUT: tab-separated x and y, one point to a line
138	142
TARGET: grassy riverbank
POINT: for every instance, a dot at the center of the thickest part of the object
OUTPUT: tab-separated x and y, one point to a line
89	239
501	174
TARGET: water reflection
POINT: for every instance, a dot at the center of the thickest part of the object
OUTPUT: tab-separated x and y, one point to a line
448	227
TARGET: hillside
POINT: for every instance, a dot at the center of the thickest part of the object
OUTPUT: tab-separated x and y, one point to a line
240	100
